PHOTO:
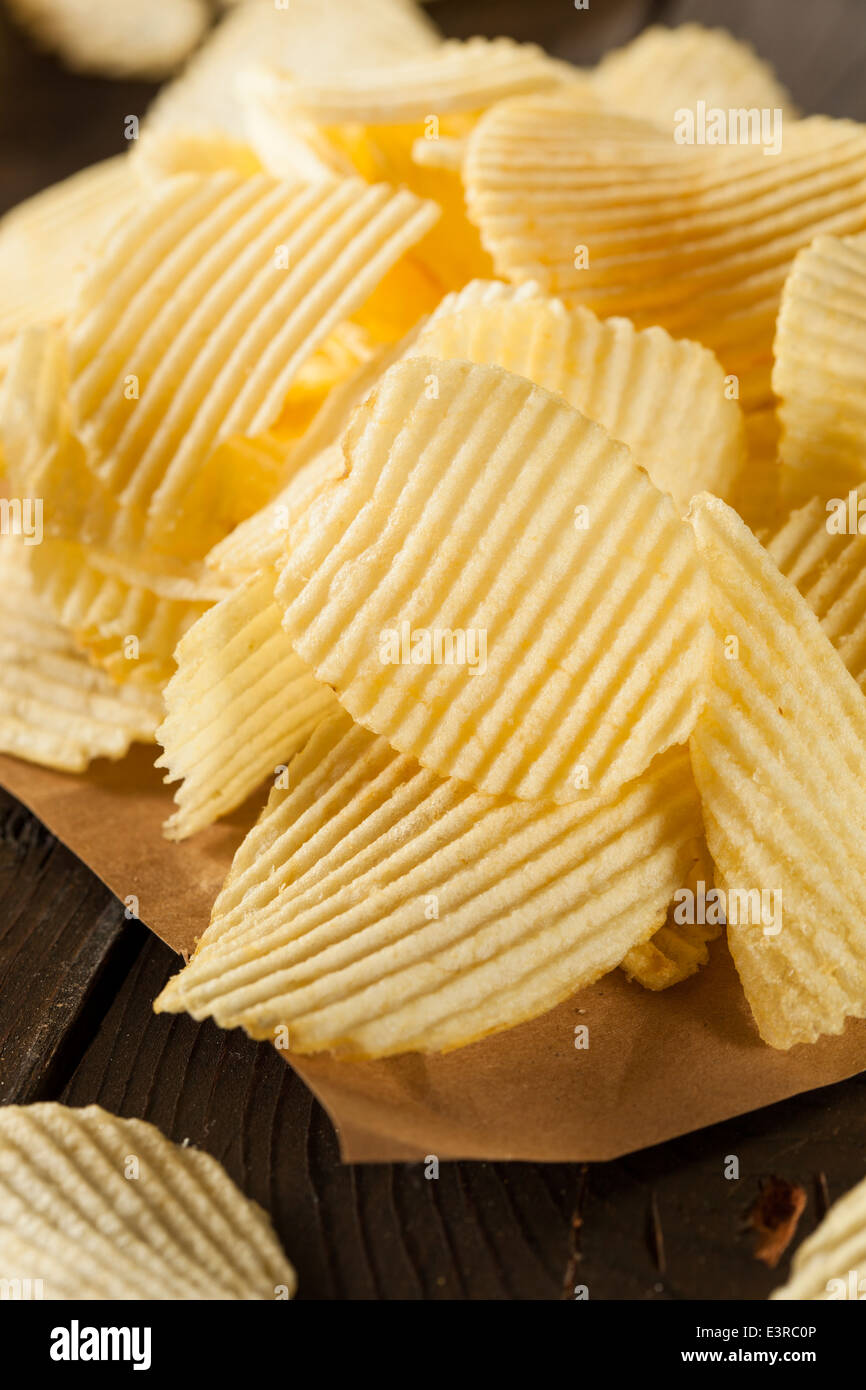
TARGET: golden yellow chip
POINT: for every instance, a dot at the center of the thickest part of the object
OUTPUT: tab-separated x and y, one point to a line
778	758
129	615
455	76
93	1206
820	369
192	327
56	708
306	36
240	705
662	397
498	589
611	212
823	552
663	71
830	1265
137	38
377	909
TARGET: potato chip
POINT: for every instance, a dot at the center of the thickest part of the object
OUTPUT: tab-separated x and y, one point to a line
55	707
192	327
778	758
138	38
830	1265
497	589
664	398
610	212
377	908
820	369
240	705
45	241
663	70
307	37
128	615
829	569
93	1206
679	948
457	75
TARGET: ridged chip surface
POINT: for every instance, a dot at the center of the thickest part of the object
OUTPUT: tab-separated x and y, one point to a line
56	707
829	569
93	1206
778	756
609	211
377	908
497	589
212	299
240	704
663	397
820	368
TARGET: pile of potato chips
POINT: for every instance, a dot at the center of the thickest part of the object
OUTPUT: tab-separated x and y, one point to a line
412	429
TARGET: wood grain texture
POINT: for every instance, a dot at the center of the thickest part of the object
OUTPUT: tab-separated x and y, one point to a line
77	979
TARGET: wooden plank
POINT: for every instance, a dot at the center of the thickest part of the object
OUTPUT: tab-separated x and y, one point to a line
65	945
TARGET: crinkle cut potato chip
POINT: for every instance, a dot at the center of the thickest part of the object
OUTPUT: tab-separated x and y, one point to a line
73	1224
303	38
212	299
829	569
128	617
45	241
830	1265
497	588
663	397
609	211
137	38
778	757
663	71
820	369
239	706
457	75
55	707
376	908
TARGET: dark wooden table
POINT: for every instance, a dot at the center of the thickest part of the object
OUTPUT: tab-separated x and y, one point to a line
77	980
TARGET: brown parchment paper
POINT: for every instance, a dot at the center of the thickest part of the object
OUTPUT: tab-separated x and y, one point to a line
657	1065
